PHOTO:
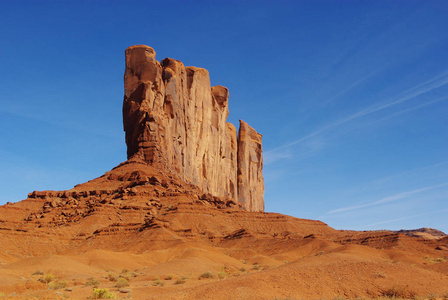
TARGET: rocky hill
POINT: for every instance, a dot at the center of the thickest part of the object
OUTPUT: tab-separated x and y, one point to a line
426	233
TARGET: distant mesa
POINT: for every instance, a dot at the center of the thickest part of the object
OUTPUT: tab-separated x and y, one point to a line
175	120
425	233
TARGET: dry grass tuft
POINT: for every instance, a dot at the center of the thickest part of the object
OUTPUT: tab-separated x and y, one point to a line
122	282
206	275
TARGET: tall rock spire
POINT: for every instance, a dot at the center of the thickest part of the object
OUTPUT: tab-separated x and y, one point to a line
250	168
174	119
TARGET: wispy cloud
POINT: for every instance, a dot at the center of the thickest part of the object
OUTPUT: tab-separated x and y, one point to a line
425	87
270	157
413	108
406	173
387	199
350	87
406	218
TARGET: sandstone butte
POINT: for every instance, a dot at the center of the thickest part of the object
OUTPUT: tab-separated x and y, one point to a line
175	120
189	201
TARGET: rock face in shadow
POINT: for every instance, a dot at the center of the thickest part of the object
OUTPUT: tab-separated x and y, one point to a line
175	120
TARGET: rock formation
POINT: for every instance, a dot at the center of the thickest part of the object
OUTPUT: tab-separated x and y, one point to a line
250	165
175	120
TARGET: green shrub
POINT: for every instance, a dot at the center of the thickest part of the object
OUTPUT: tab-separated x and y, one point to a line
157	282
56	285
47	278
122	282
126	274
206	275
222	275
102	294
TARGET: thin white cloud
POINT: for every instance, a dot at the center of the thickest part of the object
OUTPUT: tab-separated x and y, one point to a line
406	173
387	199
439	78
350	87
271	157
430	85
413	108
406	218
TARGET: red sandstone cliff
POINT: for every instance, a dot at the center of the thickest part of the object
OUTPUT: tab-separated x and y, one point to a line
175	120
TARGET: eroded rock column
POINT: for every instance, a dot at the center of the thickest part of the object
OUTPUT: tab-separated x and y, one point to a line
175	120
250	168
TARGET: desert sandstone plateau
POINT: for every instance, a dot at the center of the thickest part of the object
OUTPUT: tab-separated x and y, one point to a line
183	217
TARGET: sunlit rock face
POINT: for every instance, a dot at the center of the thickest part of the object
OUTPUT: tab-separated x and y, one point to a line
250	168
175	120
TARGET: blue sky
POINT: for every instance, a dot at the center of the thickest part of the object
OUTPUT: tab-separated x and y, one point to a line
351	97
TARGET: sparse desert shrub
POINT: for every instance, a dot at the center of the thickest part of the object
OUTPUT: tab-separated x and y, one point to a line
2	294
380	275
180	281
56	285
122	283
433	296
102	294
126	274
169	277
157	282
112	276
243	270
206	275
256	267
38	272
92	282
395	293
222	275
47	278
